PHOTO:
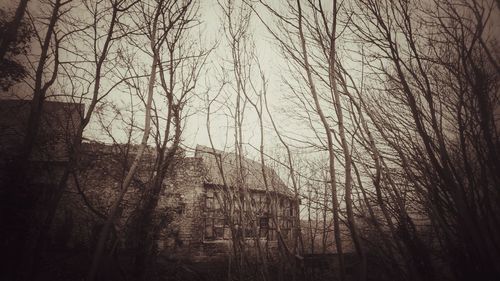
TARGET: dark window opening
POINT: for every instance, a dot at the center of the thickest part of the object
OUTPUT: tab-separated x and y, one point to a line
264	222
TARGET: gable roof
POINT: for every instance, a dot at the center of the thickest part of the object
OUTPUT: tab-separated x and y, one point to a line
252	171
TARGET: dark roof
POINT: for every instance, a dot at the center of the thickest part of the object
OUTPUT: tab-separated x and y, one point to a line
253	178
58	125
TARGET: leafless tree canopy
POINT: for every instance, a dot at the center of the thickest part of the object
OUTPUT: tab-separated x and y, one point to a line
250	140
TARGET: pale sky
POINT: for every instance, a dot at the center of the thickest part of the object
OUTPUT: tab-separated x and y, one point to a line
273	65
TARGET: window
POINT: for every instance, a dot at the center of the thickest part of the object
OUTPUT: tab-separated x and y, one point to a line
286	216
262	202
250	230
263	227
215	224
264	222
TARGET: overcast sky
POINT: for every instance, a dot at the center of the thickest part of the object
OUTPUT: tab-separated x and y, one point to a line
273	65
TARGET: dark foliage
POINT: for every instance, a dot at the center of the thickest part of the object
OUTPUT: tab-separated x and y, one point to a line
11	70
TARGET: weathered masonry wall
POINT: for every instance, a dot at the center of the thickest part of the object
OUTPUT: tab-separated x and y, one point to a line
183	238
94	185
184	193
181	212
91	192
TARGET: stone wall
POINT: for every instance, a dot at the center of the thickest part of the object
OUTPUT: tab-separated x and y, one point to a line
179	215
101	171
183	193
91	192
96	184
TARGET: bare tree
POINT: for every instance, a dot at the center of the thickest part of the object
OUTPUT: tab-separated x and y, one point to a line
430	87
98	60
180	61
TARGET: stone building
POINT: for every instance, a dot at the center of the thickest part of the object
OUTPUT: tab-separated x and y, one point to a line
209	188
192	213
